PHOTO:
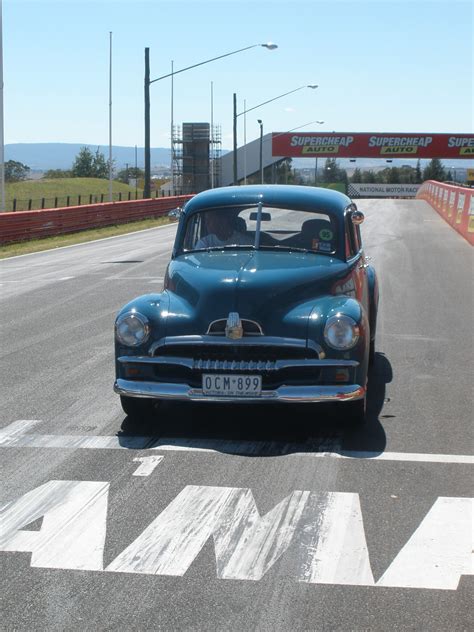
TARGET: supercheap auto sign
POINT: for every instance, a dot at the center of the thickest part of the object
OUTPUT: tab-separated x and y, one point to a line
354	145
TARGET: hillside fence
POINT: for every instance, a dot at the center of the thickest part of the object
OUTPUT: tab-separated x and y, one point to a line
32	204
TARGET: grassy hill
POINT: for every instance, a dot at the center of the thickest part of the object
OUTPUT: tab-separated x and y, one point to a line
55	192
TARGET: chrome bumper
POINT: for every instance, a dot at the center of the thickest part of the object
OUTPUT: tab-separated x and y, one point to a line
182	392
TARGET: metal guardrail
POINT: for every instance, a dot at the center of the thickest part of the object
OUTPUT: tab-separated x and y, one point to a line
25	225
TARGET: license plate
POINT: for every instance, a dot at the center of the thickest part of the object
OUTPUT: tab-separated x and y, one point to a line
232	385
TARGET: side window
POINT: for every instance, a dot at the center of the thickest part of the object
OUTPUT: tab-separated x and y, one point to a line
353	240
192	231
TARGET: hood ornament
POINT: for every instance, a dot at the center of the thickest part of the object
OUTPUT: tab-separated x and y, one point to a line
233	328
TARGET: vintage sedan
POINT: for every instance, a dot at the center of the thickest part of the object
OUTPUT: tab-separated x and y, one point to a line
268	297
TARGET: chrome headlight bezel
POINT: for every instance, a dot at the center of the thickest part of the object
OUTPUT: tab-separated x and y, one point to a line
341	332
136	325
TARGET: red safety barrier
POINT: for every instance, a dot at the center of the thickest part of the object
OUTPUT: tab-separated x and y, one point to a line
454	204
24	225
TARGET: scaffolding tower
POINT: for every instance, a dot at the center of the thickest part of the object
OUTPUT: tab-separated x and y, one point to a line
195	157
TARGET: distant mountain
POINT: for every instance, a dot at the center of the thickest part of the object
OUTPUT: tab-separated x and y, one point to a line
43	156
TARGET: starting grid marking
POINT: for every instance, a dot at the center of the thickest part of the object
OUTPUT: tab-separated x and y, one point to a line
16	435
321	533
325	531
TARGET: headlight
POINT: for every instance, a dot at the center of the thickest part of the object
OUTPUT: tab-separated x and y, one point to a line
132	329
341	332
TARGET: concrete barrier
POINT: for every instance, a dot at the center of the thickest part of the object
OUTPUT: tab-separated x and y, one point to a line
454	204
25	225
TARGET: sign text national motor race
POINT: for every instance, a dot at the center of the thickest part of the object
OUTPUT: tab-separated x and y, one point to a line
367	145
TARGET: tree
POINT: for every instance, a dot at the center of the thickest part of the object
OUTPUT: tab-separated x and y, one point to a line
332	172
393	176
434	170
418	176
15	171
89	165
54	174
357	175
124	175
368	177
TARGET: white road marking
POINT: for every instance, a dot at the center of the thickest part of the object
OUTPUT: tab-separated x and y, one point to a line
93	241
15	435
148	464
173	540
246	544
72	534
440	550
325	529
336	552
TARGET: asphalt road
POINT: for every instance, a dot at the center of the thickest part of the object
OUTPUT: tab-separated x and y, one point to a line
236	518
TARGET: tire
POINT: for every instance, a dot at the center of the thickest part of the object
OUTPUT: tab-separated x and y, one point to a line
137	408
372	353
356	411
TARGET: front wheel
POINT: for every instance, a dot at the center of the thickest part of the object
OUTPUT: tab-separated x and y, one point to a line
137	408
372	353
356	411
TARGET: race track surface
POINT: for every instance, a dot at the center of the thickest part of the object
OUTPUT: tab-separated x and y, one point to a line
245	517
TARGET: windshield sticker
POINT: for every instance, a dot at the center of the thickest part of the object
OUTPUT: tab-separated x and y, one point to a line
326	234
324	246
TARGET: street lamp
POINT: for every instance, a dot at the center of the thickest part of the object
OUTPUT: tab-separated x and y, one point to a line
148	82
260	122
236	115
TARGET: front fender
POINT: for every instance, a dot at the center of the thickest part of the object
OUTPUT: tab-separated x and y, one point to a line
373	299
155	308
328	306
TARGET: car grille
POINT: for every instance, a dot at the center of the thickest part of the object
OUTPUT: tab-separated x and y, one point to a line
261	359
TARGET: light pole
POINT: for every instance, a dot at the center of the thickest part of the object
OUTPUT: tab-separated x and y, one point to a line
236	115
260	122
148	82
2	139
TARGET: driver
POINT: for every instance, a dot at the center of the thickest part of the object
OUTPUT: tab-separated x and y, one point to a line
221	231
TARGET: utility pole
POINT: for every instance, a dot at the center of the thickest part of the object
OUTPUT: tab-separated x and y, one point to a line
146	187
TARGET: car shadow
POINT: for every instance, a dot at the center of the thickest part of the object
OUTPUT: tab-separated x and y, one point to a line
265	430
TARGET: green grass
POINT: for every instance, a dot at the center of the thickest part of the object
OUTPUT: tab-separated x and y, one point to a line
36	245
60	188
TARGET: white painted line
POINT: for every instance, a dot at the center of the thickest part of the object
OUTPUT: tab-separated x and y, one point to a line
336	552
440	550
72	534
87	243
15	435
324	529
148	464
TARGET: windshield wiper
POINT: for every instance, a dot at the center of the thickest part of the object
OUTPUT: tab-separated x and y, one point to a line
287	248
226	247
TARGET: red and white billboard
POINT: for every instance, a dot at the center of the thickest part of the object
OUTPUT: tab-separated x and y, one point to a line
387	145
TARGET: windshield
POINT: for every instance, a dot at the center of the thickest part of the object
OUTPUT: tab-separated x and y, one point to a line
260	227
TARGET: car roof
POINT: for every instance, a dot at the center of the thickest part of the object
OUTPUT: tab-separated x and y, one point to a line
287	196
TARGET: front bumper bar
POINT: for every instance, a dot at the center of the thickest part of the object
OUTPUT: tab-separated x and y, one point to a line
183	392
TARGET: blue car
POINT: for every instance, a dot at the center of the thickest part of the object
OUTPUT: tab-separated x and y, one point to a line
268	297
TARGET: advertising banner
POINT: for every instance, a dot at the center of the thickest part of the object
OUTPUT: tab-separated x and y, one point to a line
382	190
367	145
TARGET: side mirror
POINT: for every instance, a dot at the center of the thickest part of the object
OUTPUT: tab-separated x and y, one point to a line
176	212
357	217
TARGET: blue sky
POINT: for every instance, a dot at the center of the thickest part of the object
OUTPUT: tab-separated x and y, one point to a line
380	66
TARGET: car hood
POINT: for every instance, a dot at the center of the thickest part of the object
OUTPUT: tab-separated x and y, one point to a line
276	289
